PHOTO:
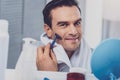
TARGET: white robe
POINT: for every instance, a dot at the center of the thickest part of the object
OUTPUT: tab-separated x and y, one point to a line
80	58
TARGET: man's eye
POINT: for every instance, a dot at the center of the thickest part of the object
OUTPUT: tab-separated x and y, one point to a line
78	23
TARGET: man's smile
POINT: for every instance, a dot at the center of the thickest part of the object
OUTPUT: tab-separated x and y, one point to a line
72	39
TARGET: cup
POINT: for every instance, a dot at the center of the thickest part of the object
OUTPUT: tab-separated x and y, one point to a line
75	76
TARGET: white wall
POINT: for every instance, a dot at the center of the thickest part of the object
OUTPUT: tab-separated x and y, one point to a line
93	22
25	20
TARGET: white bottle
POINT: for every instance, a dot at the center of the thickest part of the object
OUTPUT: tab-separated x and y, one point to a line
26	65
4	43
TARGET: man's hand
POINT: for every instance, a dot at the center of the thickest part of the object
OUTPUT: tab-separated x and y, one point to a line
46	60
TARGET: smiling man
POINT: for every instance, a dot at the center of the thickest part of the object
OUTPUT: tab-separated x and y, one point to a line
63	17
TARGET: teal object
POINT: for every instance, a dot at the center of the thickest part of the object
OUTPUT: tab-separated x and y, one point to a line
46	78
105	61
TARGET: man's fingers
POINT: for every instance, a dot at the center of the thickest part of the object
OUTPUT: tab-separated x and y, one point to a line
47	50
53	56
39	53
40	50
46	59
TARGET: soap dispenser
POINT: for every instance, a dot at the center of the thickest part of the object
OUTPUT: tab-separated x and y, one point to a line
26	65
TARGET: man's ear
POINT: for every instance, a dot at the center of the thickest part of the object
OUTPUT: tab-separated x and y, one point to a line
48	30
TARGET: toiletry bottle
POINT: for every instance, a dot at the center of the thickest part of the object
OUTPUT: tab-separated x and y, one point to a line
76	73
4	43
75	76
26	65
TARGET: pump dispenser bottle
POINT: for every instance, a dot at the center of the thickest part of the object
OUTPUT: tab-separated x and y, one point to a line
4	43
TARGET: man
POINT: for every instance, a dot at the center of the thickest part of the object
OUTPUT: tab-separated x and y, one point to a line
63	17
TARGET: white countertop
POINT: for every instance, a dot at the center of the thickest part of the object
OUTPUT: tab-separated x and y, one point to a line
11	74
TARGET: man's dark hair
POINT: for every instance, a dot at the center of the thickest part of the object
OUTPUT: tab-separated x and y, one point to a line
54	4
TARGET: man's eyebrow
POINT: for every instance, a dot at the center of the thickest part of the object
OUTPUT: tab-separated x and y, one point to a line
65	22
62	22
80	19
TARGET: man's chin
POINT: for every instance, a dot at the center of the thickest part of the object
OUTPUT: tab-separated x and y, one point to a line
71	49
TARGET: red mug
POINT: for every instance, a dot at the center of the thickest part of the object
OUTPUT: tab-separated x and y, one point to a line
75	76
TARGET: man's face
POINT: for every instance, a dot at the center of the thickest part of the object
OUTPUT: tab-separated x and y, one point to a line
66	22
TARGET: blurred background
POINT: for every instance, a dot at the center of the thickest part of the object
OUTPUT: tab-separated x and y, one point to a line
101	20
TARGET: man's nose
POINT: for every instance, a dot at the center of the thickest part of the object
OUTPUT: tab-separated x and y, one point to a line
73	30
